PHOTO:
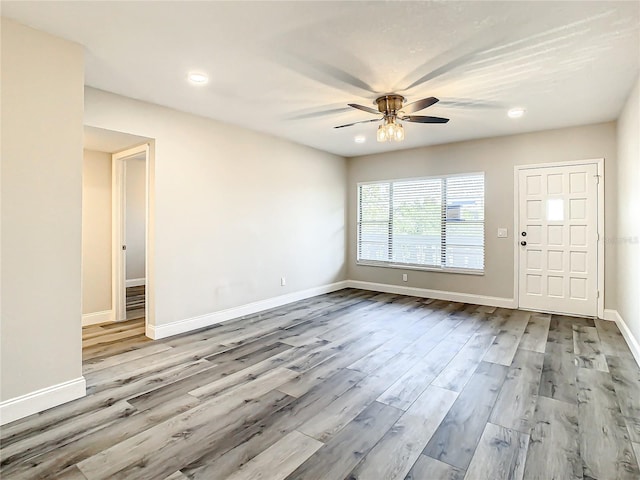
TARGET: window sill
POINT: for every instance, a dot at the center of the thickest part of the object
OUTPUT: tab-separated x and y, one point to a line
400	266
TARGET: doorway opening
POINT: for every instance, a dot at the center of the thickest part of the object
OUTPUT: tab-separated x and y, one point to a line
117	288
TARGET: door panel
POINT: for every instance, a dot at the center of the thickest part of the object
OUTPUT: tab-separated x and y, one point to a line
558	224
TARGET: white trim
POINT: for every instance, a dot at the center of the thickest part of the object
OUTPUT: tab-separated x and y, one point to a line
437	294
135	282
97	317
181	326
599	162
422	268
43	399
632	342
119	283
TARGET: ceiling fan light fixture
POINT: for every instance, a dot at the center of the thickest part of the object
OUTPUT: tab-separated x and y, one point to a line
392	108
390	131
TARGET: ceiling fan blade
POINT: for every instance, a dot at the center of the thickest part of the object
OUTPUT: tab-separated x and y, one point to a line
355	123
419	105
424	119
334	111
364	109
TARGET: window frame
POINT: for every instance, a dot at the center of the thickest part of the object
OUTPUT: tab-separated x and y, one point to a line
411	266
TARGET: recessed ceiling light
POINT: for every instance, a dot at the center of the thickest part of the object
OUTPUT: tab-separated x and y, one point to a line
360	139
198	78
516	112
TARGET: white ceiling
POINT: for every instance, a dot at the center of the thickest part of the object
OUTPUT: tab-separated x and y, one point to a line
290	68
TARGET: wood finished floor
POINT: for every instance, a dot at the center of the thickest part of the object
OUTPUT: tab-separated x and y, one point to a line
135	300
349	385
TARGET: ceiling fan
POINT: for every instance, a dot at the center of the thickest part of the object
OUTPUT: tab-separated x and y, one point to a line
392	110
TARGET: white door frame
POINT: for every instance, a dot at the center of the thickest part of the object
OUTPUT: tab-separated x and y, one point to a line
599	162
118	229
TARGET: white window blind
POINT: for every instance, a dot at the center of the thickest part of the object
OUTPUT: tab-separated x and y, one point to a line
435	222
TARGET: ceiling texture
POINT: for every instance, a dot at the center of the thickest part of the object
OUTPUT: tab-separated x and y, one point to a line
289	68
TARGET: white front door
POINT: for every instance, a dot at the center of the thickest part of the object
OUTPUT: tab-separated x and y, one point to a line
558	239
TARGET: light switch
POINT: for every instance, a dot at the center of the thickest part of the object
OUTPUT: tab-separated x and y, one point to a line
503	233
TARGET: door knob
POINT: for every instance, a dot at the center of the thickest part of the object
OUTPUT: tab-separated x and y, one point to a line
523	243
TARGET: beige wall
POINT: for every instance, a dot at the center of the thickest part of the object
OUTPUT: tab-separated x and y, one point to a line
497	158
232	210
135	217
42	103
96	232
627	239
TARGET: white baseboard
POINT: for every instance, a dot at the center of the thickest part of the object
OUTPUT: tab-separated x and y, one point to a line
98	317
43	399
181	326
632	342
610	315
135	282
437	294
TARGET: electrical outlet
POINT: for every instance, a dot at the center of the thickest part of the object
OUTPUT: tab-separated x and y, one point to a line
404	277
283	281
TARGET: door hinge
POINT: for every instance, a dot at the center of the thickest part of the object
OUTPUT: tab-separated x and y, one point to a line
598	294
597	178
124	247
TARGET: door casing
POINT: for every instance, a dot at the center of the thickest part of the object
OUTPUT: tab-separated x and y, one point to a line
118	230
599	162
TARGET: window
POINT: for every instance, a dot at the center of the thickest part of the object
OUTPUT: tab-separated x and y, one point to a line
430	223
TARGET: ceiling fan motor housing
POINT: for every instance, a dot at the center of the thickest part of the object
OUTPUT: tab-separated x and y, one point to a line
390	104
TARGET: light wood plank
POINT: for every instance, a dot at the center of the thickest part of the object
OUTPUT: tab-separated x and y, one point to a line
605	447
398	450
280	459
241	446
554	452
404	391
427	468
501	453
71	473
507	339
303	382
518	396
626	381
112	337
338	413
586	345
611	340
559	372
535	334
458	372
456	438
105	362
343	452
381	355
177	476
